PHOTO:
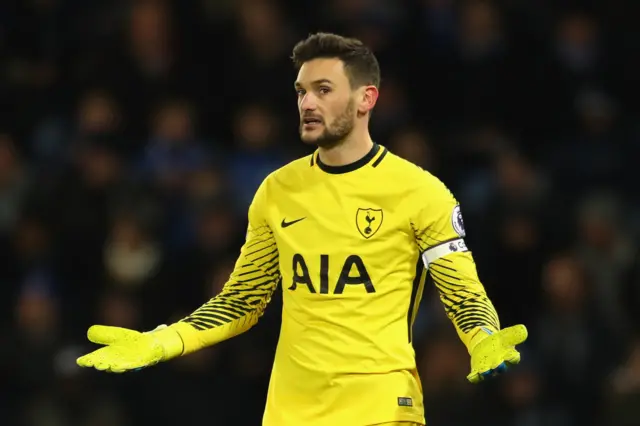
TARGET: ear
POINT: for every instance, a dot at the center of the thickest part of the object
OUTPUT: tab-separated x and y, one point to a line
368	98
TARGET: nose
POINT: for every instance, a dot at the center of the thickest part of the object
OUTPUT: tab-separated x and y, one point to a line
308	102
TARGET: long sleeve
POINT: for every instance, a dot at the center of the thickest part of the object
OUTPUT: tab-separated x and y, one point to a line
246	294
463	296
439	231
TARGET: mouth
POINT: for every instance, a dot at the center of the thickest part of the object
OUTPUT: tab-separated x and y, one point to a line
311	122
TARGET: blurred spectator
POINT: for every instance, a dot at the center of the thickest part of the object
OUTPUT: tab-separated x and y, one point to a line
30	346
445	363
577	44
257	153
256	64
32	260
573	341
392	110
413	145
13	185
608	254
173	152
525	396
624	385
173	155
97	118
119	310
131	256
593	156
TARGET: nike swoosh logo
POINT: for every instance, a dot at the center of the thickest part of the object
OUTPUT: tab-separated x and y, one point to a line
285	224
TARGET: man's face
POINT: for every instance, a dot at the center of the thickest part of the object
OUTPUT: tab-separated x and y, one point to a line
325	102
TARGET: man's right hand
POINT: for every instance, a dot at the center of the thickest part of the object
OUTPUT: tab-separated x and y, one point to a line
127	349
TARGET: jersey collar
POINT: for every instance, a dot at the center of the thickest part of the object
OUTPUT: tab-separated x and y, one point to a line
336	170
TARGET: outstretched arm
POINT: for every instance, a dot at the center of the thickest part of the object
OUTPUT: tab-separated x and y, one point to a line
243	299
439	232
235	310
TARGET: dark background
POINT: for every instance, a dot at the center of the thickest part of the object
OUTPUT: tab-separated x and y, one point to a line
134	133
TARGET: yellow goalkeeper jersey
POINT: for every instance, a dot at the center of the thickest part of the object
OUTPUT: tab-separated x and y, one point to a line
351	247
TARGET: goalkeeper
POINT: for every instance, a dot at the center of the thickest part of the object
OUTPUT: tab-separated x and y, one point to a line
350	232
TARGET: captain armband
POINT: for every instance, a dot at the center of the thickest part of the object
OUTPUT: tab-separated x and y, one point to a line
441	250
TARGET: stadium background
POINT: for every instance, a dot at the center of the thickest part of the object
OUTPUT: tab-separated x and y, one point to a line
133	134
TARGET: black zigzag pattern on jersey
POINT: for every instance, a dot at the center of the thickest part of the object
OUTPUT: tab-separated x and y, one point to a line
467	309
428	238
250	286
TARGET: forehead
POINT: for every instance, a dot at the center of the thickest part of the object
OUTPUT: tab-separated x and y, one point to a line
323	69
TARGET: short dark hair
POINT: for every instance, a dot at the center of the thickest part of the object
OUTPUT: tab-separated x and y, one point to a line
360	63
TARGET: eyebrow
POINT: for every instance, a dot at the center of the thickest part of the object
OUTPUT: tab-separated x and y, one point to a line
315	82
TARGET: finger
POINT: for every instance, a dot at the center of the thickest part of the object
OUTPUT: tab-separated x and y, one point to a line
124	365
111	367
487	374
85	361
512	356
102	366
474	377
107	335
514	335
491	372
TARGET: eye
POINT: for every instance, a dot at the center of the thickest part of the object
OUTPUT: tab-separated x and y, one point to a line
300	92
324	90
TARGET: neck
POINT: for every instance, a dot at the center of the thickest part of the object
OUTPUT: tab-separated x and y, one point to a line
349	151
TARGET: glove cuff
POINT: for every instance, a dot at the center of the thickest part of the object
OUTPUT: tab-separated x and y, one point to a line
478	335
170	340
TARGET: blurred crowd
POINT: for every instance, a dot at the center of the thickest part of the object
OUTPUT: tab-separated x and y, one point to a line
133	134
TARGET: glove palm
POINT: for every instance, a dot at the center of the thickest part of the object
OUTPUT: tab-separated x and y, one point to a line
125	349
496	352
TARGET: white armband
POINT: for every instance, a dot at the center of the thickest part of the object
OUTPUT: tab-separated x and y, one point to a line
441	250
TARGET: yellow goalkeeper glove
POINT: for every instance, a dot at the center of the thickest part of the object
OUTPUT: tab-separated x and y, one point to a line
129	349
493	355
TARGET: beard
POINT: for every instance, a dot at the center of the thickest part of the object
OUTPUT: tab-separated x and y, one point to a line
332	134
